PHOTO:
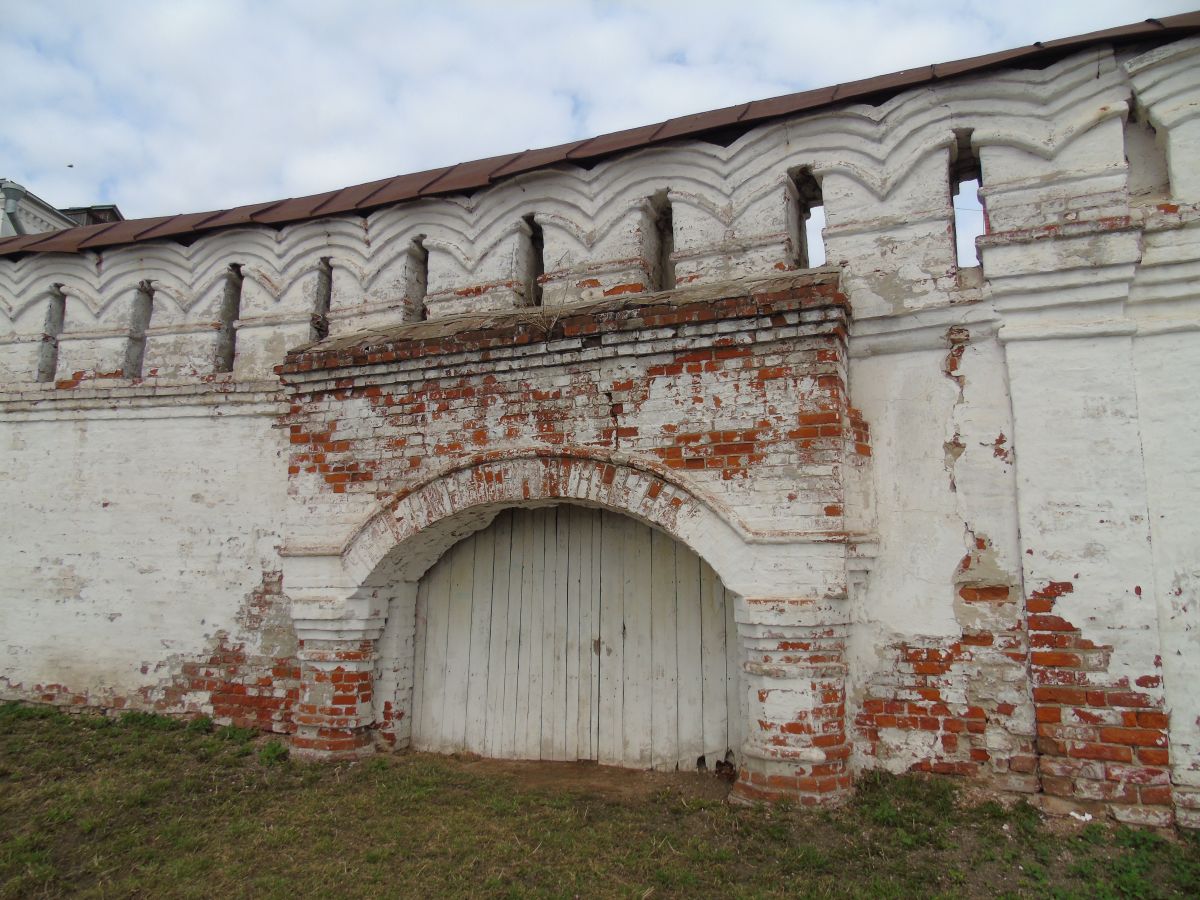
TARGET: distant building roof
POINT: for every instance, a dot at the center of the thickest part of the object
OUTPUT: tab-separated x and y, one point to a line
101	214
25	214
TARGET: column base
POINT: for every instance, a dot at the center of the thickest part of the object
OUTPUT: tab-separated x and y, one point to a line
826	783
328	744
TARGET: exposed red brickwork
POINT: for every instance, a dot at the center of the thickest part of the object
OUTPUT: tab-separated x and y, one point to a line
334	715
968	695
937	691
719	389
1101	738
251	681
860	431
252	688
801	727
78	378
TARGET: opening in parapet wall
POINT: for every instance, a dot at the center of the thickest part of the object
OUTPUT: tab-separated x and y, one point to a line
322	298
534	263
966	177
806	218
231	308
1146	157
139	321
418	276
725	137
661	245
56	312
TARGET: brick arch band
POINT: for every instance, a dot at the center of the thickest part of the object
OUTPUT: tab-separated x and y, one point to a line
792	642
419	524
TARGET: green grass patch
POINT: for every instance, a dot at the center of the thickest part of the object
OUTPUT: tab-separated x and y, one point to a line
150	807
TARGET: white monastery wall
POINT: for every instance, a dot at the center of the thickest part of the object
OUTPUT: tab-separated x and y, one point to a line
134	537
1017	591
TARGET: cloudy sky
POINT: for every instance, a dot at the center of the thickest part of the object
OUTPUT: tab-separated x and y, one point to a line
183	105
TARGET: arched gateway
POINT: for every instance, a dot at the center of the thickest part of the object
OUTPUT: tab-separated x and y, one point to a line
568	632
663	467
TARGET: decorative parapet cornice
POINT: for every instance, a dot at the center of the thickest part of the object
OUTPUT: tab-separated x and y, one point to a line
1052	137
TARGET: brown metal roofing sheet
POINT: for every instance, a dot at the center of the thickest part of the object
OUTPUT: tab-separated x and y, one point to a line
402	187
1135	29
124	232
538	159
241	215
347	199
787	104
69	240
294	210
892	83
187	223
1182	20
17	243
976	63
615	141
472	175
469	176
705	121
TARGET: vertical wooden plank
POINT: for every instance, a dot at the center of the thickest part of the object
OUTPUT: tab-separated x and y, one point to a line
551	687
553	729
562	621
586	633
420	638
515	708
480	640
736	701
528	693
458	645
715	665
610	724
532	638
690	703
664	662
434	690
638	675
574	534
594	631
498	673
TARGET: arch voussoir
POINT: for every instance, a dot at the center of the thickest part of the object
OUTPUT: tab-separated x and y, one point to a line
464	498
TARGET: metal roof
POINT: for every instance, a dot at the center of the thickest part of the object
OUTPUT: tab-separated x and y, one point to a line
471	176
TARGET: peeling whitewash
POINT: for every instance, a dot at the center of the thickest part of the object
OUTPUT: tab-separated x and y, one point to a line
986	564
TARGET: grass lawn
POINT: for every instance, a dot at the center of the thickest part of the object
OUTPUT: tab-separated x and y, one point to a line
148	806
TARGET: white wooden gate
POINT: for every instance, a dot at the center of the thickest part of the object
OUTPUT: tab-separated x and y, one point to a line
572	633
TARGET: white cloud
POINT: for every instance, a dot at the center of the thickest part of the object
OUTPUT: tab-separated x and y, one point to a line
204	104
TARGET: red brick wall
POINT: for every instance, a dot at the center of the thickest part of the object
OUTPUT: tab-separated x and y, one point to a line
744	396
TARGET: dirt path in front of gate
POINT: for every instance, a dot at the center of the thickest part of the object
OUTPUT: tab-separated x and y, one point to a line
591	779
